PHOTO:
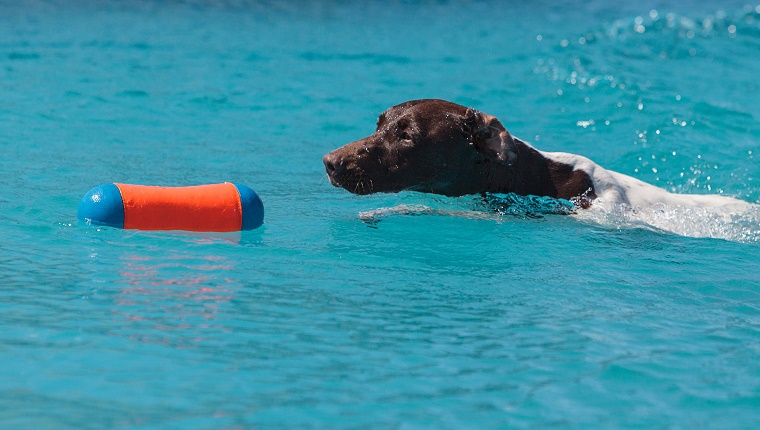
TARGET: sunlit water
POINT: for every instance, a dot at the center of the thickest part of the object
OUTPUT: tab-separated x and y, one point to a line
390	311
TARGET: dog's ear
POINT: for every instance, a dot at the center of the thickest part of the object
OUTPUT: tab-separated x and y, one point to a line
489	137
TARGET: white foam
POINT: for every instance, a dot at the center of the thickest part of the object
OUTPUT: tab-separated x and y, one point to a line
376	215
740	223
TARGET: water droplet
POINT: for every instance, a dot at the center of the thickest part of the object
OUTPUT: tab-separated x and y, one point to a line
539	37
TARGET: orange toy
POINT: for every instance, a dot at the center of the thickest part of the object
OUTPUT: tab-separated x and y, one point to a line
216	207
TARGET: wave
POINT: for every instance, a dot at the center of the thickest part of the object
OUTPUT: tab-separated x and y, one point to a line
740	223
719	24
618	54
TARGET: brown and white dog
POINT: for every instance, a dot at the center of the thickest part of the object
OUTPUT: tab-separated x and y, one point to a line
435	146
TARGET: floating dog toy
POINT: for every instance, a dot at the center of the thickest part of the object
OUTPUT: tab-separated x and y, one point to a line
215	207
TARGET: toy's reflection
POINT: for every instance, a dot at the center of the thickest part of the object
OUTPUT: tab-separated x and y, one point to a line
174	300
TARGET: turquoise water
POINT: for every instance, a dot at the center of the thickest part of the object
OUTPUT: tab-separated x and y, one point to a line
386	311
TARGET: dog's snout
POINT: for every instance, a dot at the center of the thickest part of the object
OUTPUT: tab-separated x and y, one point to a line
333	165
330	166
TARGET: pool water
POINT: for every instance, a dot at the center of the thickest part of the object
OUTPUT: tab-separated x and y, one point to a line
385	311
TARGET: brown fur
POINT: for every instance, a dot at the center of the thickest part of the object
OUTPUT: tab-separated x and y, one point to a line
439	147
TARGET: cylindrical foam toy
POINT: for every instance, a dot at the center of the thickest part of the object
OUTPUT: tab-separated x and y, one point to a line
214	207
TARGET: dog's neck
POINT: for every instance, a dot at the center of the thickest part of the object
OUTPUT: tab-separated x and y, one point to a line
534	174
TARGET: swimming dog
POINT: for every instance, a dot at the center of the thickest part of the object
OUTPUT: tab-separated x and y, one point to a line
435	146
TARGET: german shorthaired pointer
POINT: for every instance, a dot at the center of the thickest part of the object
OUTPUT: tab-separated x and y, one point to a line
435	146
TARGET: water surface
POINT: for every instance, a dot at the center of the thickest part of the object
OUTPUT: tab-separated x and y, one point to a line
325	317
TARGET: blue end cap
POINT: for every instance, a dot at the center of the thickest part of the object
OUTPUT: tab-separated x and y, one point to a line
102	205
253	208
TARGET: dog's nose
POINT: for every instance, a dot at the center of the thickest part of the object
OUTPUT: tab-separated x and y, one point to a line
333	165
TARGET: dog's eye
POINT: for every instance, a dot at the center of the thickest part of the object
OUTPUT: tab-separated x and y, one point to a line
485	133
405	135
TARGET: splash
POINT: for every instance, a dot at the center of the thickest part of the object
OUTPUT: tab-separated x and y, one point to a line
739	223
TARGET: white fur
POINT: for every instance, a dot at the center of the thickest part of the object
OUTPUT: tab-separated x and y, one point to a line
614	189
623	200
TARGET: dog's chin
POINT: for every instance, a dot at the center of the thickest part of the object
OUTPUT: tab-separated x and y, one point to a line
360	188
364	187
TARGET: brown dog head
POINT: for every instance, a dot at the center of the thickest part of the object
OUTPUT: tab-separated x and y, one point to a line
427	145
